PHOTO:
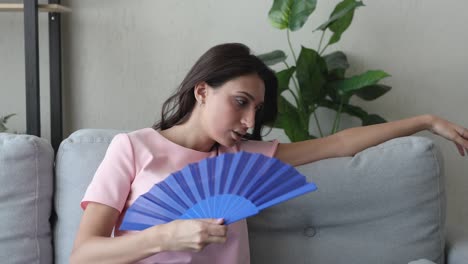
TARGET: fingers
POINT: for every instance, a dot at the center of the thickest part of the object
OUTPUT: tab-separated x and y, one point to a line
194	234
463	132
464	139
461	140
212	231
217	221
215	229
460	149
462	145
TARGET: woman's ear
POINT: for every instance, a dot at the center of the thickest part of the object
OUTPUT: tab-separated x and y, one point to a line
200	92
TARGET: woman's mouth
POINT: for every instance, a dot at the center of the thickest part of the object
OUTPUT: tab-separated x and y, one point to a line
236	136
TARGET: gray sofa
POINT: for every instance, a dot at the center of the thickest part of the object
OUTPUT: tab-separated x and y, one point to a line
384	205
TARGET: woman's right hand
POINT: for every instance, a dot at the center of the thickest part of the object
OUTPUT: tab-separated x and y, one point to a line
193	235
94	243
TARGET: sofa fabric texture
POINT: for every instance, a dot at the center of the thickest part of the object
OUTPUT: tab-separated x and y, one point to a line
77	159
26	187
384	205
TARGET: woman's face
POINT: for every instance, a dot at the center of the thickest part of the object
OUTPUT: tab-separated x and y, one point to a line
229	111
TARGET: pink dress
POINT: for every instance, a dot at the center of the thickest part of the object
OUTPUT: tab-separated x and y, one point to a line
134	162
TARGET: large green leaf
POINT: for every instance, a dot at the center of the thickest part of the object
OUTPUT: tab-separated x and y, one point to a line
340	19
372	92
272	58
337	63
336	60
290	121
341	10
373	119
349	85
356	111
332	94
335	75
291	14
328	104
335	95
346	108
311	74
284	77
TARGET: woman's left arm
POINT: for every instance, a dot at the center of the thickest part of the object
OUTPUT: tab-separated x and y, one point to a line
351	141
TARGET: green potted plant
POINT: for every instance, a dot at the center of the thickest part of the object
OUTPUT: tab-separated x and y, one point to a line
318	80
3	121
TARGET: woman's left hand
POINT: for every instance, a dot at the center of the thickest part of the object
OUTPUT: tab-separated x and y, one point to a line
451	131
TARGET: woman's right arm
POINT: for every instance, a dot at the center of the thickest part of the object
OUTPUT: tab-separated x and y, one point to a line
93	243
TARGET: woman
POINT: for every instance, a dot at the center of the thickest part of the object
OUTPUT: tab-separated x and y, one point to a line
227	93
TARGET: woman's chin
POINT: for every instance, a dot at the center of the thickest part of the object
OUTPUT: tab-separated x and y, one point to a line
229	142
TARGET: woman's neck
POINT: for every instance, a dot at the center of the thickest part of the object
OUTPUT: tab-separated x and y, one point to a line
190	136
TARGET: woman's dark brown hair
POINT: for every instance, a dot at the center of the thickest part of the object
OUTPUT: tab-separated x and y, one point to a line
218	65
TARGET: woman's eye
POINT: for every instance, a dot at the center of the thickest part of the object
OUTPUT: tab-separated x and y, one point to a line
241	102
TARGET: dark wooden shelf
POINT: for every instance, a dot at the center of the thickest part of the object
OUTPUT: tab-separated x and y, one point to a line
50	8
30	10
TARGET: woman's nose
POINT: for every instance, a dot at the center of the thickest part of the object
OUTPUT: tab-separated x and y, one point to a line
249	119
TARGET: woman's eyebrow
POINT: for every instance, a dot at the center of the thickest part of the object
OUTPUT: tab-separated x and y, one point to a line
250	96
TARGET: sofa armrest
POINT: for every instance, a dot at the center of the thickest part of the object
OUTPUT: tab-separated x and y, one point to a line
457	246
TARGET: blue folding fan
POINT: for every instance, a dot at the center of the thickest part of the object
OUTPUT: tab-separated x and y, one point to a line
228	186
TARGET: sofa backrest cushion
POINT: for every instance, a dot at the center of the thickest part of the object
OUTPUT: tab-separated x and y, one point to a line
384	205
26	185
77	160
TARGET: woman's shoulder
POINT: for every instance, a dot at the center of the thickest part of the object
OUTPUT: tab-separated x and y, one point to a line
143	132
146	133
140	138
135	135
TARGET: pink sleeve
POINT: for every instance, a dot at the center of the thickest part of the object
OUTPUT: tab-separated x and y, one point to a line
267	148
114	176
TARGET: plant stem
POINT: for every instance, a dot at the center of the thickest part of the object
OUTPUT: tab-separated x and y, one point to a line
321	38
337	118
290	46
324	49
295	97
295	85
317	122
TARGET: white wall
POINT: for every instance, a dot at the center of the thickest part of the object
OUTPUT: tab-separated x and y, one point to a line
12	67
122	59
